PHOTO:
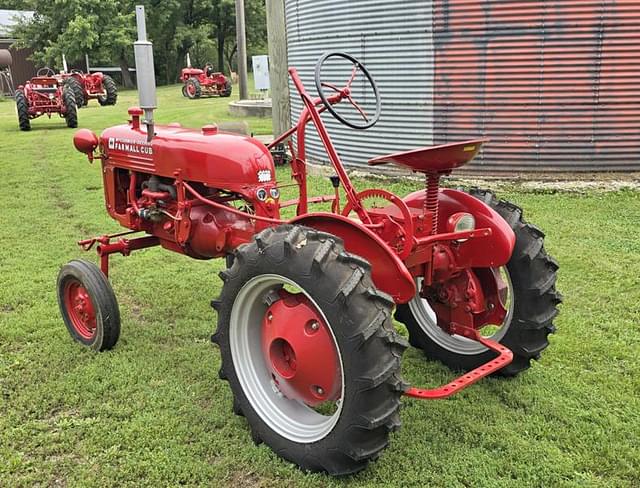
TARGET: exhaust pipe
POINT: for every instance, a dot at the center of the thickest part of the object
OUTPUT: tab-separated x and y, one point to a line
145	72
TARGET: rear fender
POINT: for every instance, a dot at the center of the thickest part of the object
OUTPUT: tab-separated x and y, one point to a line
489	252
388	272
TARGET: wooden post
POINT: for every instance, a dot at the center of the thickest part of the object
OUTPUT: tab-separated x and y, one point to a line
242	50
278	65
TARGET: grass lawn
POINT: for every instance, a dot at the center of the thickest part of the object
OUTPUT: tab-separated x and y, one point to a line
152	412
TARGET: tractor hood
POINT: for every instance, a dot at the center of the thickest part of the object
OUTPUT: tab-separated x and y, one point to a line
217	159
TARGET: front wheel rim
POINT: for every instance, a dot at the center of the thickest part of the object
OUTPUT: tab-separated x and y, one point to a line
426	319
291	419
80	310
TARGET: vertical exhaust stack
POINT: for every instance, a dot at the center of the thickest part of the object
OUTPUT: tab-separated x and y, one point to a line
145	72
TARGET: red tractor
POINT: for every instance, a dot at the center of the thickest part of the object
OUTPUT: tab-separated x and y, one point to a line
204	82
91	86
305	327
45	95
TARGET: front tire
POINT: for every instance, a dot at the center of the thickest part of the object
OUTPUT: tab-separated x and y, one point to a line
88	305
268	373
531	275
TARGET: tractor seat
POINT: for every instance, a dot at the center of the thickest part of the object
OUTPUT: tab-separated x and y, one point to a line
435	159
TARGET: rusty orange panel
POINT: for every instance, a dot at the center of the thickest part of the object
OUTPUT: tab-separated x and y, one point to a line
554	84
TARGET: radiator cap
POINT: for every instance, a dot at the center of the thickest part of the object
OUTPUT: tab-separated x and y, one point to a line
210	129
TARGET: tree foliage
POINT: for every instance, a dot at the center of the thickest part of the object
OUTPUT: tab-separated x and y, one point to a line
105	30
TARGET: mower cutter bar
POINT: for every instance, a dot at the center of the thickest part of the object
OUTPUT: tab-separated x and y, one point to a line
505	356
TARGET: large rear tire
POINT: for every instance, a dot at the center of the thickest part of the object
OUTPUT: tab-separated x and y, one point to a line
71	114
88	305
193	88
78	91
531	275
226	92
336	424
22	107
111	91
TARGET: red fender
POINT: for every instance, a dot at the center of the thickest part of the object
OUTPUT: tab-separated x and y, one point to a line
387	270
489	252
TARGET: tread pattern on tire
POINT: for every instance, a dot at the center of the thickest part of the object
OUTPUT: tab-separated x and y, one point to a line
197	87
111	89
534	274
371	348
22	106
71	115
78	91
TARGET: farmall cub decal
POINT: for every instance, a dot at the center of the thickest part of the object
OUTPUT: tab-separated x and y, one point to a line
132	146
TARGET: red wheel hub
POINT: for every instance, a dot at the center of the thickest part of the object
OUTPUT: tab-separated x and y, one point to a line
80	309
300	351
191	89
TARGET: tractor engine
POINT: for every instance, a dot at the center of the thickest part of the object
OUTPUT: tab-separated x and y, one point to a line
184	185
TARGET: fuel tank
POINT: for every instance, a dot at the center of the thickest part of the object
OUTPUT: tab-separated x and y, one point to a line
217	159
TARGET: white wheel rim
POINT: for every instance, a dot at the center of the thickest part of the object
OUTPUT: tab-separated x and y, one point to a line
426	319
289	418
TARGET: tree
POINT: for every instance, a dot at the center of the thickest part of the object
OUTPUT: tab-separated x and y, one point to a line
104	29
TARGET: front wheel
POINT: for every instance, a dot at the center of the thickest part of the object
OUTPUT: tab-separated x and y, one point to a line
529	297
309	350
88	305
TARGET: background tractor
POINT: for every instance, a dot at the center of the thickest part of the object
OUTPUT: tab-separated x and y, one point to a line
45	95
305	326
204	82
90	86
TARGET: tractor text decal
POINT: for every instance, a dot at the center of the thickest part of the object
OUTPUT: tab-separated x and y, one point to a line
130	145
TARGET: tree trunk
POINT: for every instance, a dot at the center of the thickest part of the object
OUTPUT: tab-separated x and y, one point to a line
126	76
220	36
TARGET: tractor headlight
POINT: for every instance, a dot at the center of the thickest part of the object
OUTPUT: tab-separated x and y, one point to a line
460	222
275	193
262	194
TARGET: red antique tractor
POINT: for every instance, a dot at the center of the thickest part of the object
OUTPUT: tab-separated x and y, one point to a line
91	86
305	327
45	95
204	82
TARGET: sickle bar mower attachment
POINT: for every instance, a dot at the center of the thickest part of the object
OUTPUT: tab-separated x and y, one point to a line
505	356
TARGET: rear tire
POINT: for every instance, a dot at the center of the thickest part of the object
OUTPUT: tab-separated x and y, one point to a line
71	114
532	273
78	91
193	88
227	89
88	305
112	91
369	350
22	107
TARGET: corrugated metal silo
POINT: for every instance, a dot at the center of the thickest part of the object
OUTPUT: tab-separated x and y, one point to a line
555	85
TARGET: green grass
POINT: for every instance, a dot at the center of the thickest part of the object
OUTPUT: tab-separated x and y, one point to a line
153	412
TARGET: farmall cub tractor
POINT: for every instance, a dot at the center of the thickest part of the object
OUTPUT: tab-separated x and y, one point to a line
204	82
44	94
305	326
91	86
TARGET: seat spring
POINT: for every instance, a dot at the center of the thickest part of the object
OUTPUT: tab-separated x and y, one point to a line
432	185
